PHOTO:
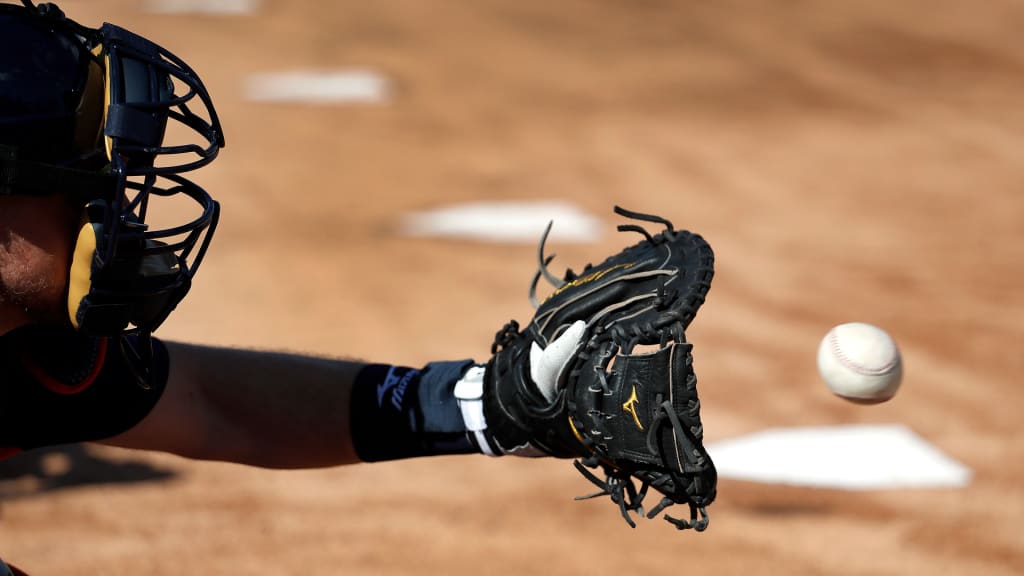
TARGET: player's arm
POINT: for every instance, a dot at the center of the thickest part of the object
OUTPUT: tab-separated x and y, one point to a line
254	407
292	411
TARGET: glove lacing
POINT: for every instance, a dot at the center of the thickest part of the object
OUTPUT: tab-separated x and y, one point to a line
619	487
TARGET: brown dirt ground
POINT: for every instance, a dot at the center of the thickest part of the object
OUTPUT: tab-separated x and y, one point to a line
847	161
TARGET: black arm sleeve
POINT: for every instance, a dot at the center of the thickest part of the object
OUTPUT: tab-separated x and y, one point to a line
58	386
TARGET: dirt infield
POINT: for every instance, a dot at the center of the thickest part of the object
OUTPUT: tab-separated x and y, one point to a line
847	161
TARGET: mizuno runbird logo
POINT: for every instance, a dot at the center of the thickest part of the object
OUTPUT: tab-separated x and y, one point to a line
629	406
395	383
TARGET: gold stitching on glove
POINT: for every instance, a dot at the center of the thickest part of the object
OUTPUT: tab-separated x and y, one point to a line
591	277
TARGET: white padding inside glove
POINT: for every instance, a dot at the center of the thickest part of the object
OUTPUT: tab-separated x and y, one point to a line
548	364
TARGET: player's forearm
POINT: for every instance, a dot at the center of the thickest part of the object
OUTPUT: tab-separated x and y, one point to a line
265	409
291	411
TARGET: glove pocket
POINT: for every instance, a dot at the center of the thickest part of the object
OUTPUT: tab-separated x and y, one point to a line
623	417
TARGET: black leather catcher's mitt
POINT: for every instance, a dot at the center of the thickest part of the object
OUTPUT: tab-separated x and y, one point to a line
625	403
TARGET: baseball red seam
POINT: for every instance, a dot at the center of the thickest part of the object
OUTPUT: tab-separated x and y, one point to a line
856	367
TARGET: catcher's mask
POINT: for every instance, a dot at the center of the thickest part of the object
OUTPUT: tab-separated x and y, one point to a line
84	112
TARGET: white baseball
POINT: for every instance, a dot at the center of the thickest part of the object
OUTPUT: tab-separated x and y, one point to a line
860	362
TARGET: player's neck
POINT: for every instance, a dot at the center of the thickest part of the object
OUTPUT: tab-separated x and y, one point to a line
11	317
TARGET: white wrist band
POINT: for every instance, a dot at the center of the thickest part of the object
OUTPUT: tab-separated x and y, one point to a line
469	392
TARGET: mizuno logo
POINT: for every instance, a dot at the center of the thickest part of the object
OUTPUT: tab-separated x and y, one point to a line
396	383
629	406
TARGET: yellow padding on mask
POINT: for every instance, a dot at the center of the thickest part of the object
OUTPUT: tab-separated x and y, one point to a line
80	277
90	116
107	142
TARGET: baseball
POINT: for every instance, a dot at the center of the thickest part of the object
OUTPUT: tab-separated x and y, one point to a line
860	363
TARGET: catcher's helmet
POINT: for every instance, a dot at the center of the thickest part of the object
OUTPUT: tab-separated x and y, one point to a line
84	112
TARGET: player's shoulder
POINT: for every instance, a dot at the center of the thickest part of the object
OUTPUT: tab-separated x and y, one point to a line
57	356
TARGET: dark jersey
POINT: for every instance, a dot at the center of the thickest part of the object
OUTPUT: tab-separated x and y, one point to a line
8	570
58	386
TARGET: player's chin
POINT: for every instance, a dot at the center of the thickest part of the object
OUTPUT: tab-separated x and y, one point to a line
39	302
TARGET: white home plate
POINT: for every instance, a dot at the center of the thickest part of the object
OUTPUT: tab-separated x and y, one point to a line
350	86
517	222
202	6
858	457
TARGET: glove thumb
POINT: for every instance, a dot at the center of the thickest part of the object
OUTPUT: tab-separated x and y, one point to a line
547	364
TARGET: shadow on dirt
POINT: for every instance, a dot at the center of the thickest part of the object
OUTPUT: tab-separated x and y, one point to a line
45	470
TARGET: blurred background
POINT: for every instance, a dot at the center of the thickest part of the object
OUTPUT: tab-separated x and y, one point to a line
847	161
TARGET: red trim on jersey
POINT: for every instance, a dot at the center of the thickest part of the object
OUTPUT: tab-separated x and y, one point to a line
7	452
58	387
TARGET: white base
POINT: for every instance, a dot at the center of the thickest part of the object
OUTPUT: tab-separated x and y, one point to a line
857	457
202	6
506	221
318	87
